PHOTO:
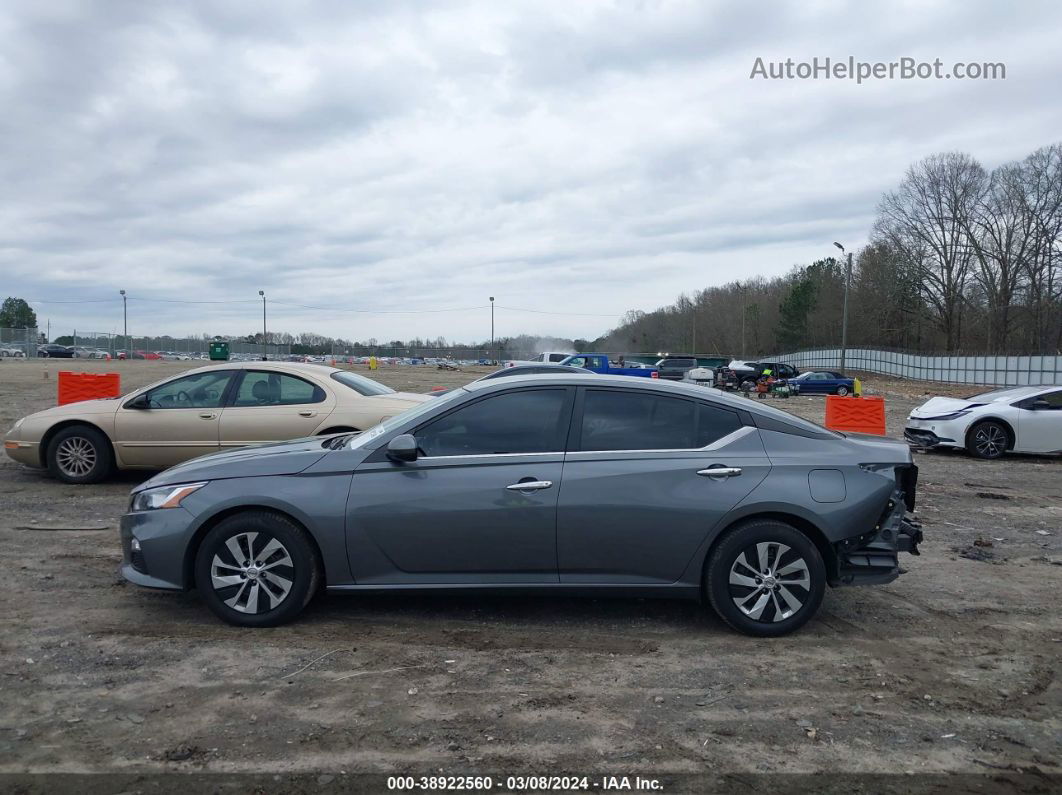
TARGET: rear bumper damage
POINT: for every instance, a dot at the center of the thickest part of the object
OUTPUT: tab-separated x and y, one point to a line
873	557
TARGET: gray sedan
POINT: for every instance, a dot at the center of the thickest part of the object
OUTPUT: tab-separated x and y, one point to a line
575	484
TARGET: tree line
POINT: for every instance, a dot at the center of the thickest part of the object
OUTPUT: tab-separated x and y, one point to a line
960	260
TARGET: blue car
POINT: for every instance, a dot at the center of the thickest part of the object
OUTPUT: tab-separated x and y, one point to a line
822	382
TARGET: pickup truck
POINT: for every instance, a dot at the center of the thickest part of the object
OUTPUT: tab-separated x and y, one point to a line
599	363
547	357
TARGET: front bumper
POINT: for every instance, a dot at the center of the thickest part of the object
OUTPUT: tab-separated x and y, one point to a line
928	433
23	452
164	537
873	558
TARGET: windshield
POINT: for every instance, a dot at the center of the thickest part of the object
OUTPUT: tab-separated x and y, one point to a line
400	419
361	384
998	394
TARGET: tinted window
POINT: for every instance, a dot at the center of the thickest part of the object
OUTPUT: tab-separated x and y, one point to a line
532	421
614	420
260	388
198	391
558	357
361	384
713	423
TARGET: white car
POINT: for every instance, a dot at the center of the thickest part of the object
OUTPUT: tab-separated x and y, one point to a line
1024	419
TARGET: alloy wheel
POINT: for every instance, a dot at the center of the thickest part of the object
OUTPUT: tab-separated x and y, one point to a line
252	573
769	581
76	456
990	441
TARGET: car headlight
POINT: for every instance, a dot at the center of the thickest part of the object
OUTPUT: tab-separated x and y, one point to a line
162	497
953	416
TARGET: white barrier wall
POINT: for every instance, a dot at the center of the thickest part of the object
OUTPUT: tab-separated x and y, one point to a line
989	370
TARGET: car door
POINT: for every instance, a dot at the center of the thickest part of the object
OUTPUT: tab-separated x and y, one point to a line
638	495
180	421
815	384
1040	424
479	503
270	405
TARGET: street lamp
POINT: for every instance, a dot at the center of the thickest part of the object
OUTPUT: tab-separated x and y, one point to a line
844	311
262	293
492	326
125	326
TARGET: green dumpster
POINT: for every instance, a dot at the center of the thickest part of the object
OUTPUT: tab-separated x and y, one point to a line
219	351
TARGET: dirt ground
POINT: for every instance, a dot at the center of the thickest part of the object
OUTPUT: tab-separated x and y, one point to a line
952	669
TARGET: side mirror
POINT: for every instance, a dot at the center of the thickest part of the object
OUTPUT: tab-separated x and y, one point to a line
402	448
139	402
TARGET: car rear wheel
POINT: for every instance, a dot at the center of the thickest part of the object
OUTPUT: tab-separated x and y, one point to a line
842	391
79	454
987	440
765	578
257	569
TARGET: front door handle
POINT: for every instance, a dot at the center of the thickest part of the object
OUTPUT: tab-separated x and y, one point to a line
719	472
207	416
530	485
307	413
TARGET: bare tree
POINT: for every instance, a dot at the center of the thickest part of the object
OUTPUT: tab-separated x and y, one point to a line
926	220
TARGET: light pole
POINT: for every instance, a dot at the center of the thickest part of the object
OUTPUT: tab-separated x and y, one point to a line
492	326
125	326
262	293
844	310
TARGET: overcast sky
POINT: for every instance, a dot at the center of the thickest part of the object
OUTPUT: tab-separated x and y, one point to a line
566	157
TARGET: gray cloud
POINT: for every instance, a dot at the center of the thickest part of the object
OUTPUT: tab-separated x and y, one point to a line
570	157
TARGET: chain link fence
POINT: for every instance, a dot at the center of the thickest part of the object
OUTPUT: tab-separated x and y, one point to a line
943	368
18	343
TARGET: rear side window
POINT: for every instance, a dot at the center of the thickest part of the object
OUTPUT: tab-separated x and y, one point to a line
615	420
558	357
528	421
260	388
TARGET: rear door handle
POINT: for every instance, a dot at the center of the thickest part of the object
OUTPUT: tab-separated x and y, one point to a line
720	473
307	413
207	416
530	485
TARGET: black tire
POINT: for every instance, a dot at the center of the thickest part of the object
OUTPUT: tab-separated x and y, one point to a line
988	440
791	586
80	454
265	603
842	391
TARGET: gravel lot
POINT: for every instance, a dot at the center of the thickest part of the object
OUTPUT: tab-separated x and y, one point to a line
951	669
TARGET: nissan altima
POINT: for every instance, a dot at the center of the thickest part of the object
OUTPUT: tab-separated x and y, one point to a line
573	484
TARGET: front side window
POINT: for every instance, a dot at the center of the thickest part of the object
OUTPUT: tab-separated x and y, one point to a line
196	391
614	420
261	388
528	421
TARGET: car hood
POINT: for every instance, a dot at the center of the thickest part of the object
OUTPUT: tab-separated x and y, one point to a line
81	407
281	458
935	407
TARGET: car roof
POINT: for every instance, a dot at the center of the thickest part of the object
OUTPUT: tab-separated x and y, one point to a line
257	364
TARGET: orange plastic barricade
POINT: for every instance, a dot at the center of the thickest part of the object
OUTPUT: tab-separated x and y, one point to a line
87	386
857	415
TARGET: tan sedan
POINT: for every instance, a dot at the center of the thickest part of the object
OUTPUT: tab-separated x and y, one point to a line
202	411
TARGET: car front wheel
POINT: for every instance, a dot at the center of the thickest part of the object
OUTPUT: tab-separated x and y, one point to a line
257	569
842	391
987	440
79	454
765	578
